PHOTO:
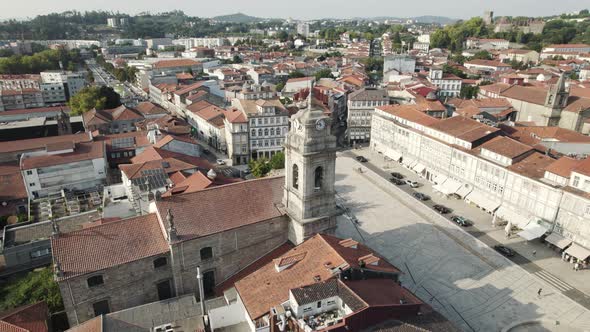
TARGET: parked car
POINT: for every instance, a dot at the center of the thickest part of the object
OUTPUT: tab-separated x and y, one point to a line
397	181
220	162
441	209
421	196
412	184
361	159
205	151
397	175
504	250
461	221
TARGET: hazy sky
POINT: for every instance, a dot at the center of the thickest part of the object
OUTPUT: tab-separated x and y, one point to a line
305	9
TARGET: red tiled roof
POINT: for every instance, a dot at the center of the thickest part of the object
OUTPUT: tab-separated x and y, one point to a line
534	95
506	147
168	165
410	113
195	182
41	143
189	88
83	151
37	110
300	79
28	318
175	63
250	202
533	166
563	166
147	108
12	186
108	245
463	128
266	287
154	153
583	167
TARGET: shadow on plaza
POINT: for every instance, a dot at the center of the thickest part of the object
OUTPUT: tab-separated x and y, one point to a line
444	274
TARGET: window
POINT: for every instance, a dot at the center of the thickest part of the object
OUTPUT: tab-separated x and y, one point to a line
95	281
206	253
319	174
319	304
295	176
253	132
576	181
40	253
32	184
29	172
266	132
101	308
160	261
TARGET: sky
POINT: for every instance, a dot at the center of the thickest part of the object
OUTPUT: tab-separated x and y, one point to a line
302	9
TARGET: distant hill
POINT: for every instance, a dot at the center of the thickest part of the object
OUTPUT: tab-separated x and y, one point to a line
236	18
419	19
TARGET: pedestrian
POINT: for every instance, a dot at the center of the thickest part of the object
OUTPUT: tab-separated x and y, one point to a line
576	267
539	292
534	253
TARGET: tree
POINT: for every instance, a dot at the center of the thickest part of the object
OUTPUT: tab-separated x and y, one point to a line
280	86
324	73
237	59
259	167
94	97
282	36
468	91
296	74
483	54
278	161
34	287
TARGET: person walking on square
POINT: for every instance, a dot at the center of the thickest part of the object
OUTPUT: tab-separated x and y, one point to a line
539	292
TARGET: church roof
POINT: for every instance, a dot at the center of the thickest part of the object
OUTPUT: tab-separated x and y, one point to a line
218	209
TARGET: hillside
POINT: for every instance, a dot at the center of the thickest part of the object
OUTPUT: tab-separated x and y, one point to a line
236	18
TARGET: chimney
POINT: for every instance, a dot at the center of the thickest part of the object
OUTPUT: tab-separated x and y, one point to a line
172	235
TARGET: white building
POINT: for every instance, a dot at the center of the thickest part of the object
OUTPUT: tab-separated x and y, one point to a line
361	105
65	165
449	85
506	178
303	29
268	124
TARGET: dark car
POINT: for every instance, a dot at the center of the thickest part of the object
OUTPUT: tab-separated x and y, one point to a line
421	196
205	151
397	175
397	181
504	250
461	221
361	159
441	209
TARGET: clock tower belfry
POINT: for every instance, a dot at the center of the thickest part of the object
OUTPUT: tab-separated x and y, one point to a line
310	166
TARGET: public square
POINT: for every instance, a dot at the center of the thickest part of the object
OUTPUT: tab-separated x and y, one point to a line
455	272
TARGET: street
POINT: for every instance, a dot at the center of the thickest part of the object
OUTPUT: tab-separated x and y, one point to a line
129	93
449	268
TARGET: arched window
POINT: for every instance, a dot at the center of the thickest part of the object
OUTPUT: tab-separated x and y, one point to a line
272	131
206	253
95	281
266	132
319	175
253	132
160	261
295	176
259	132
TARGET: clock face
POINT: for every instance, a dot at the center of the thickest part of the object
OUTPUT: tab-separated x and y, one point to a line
320	124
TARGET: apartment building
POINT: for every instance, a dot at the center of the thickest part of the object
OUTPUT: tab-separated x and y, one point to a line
63	165
237	136
361	105
268	124
449	85
504	177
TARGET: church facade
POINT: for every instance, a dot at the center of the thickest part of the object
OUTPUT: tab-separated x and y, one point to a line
217	231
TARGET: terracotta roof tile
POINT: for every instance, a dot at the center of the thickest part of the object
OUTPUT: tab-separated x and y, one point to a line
175	63
563	166
266	287
533	166
583	167
252	201
41	143
29	318
463	128
410	113
506	147
147	108
83	151
12	186
108	245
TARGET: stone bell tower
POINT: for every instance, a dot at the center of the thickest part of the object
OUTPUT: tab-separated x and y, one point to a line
310	161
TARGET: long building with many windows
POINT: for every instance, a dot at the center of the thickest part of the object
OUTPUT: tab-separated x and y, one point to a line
511	180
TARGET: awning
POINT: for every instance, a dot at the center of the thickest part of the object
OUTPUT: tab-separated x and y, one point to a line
578	251
418	168
396	156
482	200
558	240
532	231
451	186
515	218
464	191
408	161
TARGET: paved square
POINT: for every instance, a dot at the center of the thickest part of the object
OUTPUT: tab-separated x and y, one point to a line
462	278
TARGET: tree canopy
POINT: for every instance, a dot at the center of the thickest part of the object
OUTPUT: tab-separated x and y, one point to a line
94	97
38	62
33	287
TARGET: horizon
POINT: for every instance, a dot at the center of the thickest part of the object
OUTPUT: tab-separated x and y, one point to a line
301	11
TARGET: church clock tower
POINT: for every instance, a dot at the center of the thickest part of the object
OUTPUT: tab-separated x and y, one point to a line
310	161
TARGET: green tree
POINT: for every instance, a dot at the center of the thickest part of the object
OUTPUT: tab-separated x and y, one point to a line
468	91
34	287
94	97
280	86
296	74
483	54
278	161
260	167
324	73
